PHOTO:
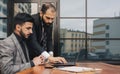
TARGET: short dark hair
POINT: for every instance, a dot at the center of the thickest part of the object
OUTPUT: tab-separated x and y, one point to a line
21	18
46	6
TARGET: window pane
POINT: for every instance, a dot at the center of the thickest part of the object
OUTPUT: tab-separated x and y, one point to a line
73	25
97	49
105	49
3	8
104	27
3	28
90	26
72	8
70	49
103	8
30	8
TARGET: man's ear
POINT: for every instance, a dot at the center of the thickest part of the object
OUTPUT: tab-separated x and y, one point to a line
18	27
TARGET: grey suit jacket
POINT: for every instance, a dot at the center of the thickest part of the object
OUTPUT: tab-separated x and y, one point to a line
12	58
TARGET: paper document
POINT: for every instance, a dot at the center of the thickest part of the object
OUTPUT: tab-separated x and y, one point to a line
76	69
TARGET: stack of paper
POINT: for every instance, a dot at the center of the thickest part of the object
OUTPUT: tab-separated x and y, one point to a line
76	69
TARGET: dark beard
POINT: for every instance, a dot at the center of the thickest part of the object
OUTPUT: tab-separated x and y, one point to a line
45	24
22	35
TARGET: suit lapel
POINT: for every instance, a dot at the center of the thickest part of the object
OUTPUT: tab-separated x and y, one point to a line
17	44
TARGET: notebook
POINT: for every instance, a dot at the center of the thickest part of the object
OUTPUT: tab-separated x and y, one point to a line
76	69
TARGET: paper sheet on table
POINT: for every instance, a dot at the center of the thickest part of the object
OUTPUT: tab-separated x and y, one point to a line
76	69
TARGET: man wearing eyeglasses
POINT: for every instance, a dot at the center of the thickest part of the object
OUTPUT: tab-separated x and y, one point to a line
41	40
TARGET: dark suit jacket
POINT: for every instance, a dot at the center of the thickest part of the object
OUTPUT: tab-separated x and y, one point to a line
34	42
12	58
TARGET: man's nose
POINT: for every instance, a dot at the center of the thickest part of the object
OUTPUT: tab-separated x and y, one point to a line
31	31
50	21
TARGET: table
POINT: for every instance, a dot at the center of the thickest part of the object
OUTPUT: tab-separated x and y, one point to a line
106	69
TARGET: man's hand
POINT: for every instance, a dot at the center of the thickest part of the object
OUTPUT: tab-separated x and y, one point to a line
38	60
56	59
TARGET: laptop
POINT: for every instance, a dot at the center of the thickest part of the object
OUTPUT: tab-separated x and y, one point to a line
63	64
71	62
